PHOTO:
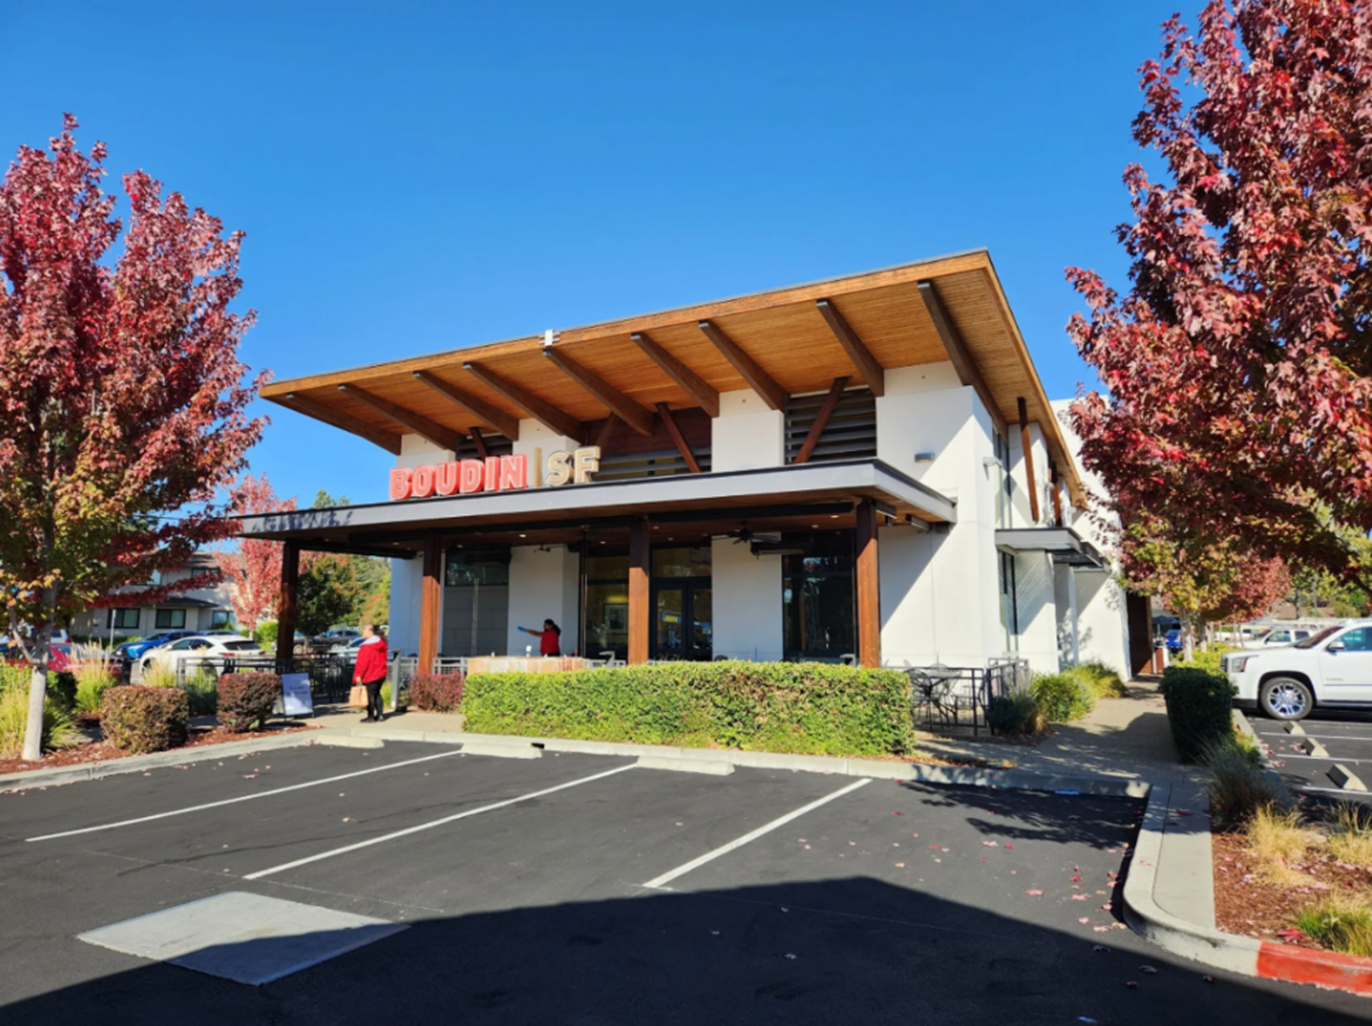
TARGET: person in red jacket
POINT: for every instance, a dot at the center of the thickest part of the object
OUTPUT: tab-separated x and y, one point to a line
549	638
371	670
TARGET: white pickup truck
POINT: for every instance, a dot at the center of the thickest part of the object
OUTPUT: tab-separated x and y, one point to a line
1332	667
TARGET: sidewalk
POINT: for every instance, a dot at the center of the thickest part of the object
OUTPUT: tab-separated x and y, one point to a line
1128	738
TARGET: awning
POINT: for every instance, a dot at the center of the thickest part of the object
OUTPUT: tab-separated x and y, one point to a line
774	492
1067	547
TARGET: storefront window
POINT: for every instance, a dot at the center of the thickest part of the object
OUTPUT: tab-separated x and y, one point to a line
682	561
818	610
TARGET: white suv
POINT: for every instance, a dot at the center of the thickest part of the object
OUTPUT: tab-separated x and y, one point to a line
1332	667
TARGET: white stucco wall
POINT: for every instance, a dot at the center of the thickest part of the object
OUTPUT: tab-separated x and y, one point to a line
543	585
416	451
746	435
747	602
537	441
1037	609
1103	620
1069	614
939	591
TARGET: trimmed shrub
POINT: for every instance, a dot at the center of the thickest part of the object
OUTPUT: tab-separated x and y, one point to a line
813	708
437	692
1015	715
246	700
1209	660
1103	681
1198	709
141	719
202	691
1062	696
58	729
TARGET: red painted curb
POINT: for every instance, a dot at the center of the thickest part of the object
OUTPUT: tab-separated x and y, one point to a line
1322	968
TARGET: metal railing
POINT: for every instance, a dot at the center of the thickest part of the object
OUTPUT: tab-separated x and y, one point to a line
957	696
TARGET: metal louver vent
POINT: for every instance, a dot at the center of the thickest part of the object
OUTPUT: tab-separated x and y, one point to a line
851	433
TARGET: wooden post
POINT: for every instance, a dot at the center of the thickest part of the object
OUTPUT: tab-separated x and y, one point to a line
288	609
1057	493
430	596
639	618
868	586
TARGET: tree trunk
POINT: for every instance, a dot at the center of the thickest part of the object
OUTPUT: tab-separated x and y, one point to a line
1188	641
38	686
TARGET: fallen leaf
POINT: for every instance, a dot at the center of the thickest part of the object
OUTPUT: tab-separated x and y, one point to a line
714	933
1131	984
1291	935
1207	979
1076	879
1081	897
1101	948
1009	846
1034	893
1148	969
900	865
989	844
1084	920
1101	929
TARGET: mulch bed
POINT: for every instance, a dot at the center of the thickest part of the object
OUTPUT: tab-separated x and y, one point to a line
103	751
1247	904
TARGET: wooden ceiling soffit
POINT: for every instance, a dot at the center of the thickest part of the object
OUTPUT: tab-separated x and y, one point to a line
443	437
637	417
966	368
686	379
388	440
758	379
872	372
555	420
473	405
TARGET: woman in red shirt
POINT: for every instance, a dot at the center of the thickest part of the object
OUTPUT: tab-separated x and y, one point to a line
549	638
371	670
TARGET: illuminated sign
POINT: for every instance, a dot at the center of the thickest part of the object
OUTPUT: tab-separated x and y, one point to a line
495	474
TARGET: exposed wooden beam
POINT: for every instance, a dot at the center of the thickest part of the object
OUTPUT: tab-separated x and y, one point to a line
475	407
480	441
288	607
821	420
686	379
758	379
669	422
555	420
443	437
966	368
607	432
1026	449
873	373
388	440
637	417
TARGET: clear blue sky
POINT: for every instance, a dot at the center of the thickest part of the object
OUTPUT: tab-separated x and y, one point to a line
414	178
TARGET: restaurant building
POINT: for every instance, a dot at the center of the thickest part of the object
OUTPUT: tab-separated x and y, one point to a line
862	469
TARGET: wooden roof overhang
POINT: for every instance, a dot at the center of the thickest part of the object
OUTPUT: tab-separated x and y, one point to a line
783	342
791	495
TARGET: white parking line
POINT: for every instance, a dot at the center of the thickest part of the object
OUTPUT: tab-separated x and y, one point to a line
660	883
429	826
241	798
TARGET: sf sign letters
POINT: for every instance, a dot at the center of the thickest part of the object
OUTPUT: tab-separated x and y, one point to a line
495	474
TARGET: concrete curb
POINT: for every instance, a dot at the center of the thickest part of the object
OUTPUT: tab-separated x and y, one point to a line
158	760
1231	952
880	769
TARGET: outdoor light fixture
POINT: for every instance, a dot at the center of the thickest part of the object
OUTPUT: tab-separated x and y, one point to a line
549	337
988	461
925	457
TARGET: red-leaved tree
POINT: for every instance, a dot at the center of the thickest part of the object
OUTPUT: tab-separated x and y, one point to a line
1239	365
254	564
121	392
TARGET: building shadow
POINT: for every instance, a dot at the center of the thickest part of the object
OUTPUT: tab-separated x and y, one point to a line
848	949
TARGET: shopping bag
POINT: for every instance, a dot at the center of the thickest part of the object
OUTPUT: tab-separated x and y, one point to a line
357	697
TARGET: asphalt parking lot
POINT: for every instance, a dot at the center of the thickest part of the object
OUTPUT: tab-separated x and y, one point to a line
1327	755
581	889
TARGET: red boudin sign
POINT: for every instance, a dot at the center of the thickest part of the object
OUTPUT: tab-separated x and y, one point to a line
495	474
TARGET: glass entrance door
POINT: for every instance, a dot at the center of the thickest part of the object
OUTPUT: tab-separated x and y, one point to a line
683	620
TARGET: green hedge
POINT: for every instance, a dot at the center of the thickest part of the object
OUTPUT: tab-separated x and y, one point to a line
140	719
1198	709
1062	697
812	708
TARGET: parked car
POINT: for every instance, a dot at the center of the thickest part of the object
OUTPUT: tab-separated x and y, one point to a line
334	636
213	652
348	650
1332	667
132	651
1278	636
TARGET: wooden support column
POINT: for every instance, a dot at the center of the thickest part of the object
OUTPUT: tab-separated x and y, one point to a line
288	608
639	618
868	586
430	595
1057	493
1027	451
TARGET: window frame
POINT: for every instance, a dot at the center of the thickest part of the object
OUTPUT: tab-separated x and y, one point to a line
171	615
115	619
